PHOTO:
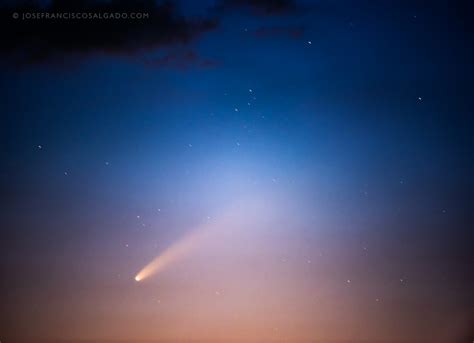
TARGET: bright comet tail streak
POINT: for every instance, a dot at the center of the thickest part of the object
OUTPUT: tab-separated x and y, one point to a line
188	243
175	252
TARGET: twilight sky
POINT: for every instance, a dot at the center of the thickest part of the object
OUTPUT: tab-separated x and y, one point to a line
303	170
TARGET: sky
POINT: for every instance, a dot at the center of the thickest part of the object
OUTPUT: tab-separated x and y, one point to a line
236	171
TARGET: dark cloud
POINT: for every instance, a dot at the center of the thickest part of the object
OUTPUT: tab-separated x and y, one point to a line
30	41
261	7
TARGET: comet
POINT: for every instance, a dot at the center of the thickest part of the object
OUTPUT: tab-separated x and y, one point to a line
172	254
187	244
